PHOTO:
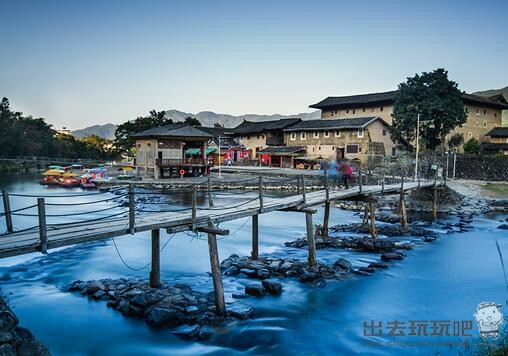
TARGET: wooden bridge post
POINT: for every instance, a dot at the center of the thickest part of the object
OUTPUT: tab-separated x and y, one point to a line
220	308
194	206
360	179
434	199
7	210
260	189
155	273
310	239
132	210
373	232
302	179
383	183
326	216
255	237
41	207
210	201
365	214
298	185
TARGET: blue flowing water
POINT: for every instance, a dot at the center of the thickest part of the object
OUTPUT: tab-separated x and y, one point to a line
444	280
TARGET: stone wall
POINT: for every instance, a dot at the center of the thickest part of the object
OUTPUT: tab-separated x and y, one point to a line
479	167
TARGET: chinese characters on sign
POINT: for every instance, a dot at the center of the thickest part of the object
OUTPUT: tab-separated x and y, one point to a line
418	328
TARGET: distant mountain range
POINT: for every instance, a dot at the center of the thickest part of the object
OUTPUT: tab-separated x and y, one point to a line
491	92
104	131
207	118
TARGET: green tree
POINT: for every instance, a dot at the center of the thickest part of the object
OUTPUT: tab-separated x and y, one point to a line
26	136
218	125
472	146
123	141
439	103
455	140
192	121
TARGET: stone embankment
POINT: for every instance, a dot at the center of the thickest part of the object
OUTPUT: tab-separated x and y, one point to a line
14	339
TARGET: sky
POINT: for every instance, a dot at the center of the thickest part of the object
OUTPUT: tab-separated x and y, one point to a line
80	63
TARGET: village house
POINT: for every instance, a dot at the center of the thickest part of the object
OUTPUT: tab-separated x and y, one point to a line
352	138
172	150
259	135
231	150
498	141
483	113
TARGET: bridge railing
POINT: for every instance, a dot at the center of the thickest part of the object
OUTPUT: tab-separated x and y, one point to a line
128	201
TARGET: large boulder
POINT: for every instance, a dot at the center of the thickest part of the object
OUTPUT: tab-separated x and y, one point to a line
391	256
272	287
240	311
343	264
255	290
161	316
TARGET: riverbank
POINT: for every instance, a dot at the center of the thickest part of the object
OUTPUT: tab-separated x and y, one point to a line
14	339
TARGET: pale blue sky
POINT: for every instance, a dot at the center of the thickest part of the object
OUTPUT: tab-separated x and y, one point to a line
78	63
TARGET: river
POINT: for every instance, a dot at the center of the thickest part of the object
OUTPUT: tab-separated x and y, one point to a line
444	280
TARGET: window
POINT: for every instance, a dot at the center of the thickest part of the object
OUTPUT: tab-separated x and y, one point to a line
326	134
484	112
258	137
347	111
335	112
359	148
248	137
381	108
303	136
354	111
477	122
262	136
337	133
384	132
360	133
467	110
331	113
319	148
333	148
316	134
477	111
485	124
363	109
495	114
293	136
469	134
352	149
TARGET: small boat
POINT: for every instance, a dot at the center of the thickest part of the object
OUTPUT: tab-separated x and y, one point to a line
86	182
52	176
69	180
88	186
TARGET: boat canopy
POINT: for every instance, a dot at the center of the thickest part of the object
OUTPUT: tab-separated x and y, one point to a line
55	167
53	172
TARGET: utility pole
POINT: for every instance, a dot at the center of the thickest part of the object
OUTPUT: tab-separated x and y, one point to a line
220	173
417	145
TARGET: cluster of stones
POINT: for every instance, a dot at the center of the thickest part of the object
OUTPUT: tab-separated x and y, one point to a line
190	313
266	267
365	244
15	340
387	230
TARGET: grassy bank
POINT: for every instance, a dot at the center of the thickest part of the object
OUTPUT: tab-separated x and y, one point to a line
496	190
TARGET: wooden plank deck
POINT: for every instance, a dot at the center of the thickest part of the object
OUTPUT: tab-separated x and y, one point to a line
18	243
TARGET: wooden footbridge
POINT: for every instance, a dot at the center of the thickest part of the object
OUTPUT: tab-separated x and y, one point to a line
129	220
